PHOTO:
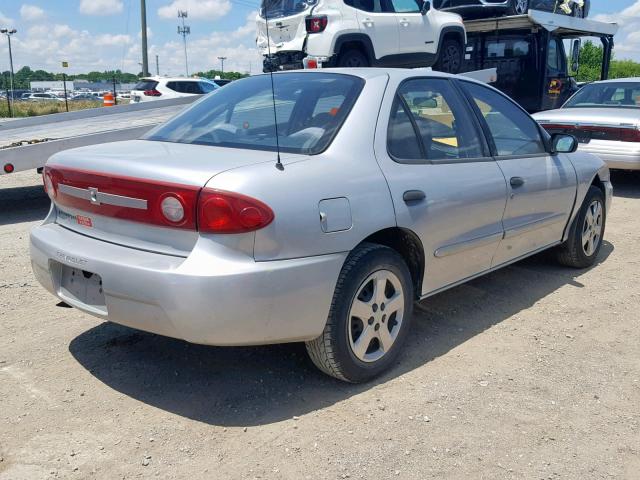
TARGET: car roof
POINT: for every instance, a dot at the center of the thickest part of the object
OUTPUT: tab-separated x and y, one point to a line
618	80
171	79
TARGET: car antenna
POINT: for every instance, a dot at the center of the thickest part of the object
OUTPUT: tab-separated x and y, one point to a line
279	164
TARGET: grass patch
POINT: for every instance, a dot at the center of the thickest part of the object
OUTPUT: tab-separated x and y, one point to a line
34	109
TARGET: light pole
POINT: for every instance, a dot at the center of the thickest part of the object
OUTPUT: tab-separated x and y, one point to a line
184	31
8	33
143	32
222	59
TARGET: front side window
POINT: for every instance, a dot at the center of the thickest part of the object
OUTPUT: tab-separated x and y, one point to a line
512	130
429	122
206	87
309	108
609	94
405	6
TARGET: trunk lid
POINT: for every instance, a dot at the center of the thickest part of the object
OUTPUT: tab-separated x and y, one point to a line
609	116
112	192
285	33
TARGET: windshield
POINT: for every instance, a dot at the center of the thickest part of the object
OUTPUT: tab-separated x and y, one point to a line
284	8
610	94
310	108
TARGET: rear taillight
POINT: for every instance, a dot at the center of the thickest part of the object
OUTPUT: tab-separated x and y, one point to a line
152	93
316	24
595	132
157	203
227	212
629	135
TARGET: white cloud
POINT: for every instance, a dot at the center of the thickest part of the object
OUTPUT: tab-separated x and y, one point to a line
100	7
627	40
31	13
5	21
112	40
198	9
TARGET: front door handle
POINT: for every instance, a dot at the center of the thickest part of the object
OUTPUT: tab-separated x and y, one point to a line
516	182
413	196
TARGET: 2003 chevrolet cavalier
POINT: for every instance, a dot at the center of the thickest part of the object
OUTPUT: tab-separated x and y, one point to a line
393	185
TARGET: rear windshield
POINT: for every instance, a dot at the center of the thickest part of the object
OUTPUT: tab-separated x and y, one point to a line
309	107
614	94
146	85
284	8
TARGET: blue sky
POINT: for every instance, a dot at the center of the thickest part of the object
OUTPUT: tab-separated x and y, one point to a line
105	34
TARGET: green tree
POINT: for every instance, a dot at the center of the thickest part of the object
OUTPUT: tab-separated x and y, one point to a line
591	56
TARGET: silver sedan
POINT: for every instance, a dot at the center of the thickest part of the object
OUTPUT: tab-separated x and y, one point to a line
605	118
373	189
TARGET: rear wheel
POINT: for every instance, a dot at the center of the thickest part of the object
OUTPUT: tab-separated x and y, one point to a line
519	7
353	58
369	317
450	57
585	237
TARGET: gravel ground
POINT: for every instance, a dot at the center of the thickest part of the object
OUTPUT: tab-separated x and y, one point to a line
529	372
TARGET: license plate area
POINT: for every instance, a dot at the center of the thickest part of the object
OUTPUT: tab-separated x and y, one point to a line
80	288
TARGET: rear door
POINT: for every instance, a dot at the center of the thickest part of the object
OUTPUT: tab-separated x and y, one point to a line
416	31
444	185
541	186
378	22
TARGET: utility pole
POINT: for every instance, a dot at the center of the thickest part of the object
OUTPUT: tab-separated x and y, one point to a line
184	31
8	33
222	59
157	66
143	20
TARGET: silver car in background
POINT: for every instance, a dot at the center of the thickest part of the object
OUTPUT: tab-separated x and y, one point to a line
605	118
378	188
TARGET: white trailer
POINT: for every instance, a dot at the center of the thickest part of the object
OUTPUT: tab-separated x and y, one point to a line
27	143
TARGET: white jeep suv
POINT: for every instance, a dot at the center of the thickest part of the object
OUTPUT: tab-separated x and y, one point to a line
359	33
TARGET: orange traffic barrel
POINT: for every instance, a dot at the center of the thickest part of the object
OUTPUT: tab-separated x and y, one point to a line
108	100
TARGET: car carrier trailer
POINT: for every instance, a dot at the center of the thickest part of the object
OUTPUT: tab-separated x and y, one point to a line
27	143
528	52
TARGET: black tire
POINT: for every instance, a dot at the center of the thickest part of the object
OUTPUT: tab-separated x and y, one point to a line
332	352
353	58
450	57
518	8
572	252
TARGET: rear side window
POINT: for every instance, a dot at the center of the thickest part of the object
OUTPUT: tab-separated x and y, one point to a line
430	122
506	48
185	87
146	85
513	131
309	107
365	5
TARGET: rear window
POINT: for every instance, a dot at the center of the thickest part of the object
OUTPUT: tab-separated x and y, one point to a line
506	48
310	108
146	85
610	94
284	8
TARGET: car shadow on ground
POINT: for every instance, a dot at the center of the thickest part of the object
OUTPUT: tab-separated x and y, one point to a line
625	184
244	386
23	204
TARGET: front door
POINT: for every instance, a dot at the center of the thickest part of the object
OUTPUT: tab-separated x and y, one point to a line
444	185
541	186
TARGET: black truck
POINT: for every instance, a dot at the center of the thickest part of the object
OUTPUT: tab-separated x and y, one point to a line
529	54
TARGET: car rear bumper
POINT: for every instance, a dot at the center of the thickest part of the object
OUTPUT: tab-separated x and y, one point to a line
617	155
216	296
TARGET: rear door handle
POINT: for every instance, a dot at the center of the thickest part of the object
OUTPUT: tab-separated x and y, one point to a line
413	196
516	182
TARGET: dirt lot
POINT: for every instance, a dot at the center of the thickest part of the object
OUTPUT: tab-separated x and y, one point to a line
530	372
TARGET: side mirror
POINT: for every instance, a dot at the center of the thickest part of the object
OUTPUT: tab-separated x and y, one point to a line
426	6
563	143
575	55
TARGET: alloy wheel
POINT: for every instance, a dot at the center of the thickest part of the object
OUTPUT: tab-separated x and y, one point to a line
451	59
592	228
376	315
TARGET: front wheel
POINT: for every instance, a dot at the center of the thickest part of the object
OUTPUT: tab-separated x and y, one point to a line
450	57
585	236
369	316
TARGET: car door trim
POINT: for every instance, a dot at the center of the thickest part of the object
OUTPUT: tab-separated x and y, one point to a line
459	247
535	225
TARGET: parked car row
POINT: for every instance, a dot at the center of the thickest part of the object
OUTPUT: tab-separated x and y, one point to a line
376	188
